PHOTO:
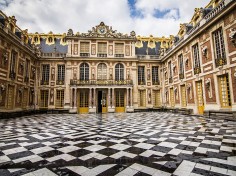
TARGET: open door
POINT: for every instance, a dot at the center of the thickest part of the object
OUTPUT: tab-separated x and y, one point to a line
104	102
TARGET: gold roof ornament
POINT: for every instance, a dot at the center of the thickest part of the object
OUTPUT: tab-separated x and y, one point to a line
103	31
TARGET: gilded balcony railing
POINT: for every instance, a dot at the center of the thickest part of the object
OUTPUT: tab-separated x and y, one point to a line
220	62
44	82
60	82
155	82
197	70
141	82
181	76
106	82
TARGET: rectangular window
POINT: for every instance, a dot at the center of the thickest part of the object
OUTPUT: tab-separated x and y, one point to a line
157	98
60	74
13	61
27	64
170	72
102	48
172	99
141	75
219	46
83	99
142	98
155	77
84	48
119	49
225	99
181	66
60	99
183	96
196	59
44	98
196	56
13	65
45	74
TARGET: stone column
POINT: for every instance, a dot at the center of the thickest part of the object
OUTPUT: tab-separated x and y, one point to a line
71	96
113	97
131	97
75	98
109	97
94	97
90	97
127	97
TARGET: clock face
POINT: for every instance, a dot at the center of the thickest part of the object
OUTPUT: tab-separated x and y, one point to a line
102	30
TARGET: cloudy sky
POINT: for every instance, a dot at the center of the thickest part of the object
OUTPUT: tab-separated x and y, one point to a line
145	17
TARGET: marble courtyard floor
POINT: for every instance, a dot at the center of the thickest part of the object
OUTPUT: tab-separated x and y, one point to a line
159	144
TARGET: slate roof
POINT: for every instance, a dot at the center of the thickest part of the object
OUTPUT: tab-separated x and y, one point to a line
45	48
145	50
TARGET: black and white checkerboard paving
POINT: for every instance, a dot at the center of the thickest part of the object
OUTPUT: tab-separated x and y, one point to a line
159	144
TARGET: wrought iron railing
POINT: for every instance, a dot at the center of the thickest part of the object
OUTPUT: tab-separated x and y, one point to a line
100	82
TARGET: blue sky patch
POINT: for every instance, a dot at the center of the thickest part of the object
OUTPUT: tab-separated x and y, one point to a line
162	14
134	13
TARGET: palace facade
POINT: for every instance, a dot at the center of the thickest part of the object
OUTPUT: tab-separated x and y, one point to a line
104	71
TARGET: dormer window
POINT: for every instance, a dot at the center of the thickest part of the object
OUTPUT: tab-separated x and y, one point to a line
36	39
50	39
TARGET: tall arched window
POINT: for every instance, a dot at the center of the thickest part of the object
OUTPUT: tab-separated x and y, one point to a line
84	72
102	71
119	72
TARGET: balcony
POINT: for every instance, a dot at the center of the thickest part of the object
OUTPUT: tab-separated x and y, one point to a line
141	82
26	79
197	70
181	76
101	55
119	55
12	75
84	54
220	62
60	82
44	82
155	82
107	82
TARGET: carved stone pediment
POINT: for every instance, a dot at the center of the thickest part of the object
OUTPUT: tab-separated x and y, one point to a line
105	31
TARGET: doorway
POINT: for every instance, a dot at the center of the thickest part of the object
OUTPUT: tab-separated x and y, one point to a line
102	101
200	100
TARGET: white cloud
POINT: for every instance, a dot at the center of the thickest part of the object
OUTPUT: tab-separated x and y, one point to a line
80	15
